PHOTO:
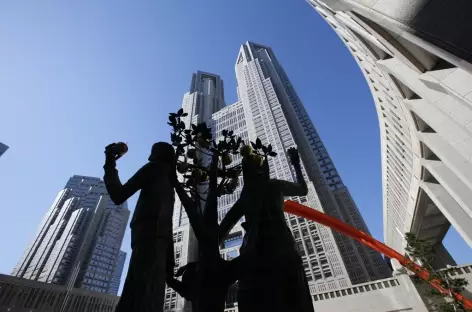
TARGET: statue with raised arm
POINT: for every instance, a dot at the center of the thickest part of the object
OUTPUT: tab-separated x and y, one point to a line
152	257
270	270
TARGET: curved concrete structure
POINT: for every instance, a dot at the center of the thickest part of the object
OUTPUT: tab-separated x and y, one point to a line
416	58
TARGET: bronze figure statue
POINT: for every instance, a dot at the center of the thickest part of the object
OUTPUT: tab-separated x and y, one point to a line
206	281
152	257
270	270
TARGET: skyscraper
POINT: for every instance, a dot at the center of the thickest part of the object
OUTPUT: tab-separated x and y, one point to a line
115	282
268	108
276	115
78	242
3	148
416	59
205	97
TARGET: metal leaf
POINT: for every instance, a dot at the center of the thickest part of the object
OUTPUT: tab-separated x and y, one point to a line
258	143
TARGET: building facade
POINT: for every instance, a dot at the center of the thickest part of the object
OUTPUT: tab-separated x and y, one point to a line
78	241
416	58
269	108
395	294
116	281
3	148
277	115
19	295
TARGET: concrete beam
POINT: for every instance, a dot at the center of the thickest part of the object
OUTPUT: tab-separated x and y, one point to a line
450	208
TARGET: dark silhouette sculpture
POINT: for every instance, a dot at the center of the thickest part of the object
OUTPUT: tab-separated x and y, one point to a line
152	257
270	270
204	282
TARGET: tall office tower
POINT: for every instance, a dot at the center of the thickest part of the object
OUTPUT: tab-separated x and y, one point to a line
416	57
277	115
268	108
78	242
116	281
3	148
205	97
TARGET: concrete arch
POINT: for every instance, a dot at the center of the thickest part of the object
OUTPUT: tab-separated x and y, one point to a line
420	79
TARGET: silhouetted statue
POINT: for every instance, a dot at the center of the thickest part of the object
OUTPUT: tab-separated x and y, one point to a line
152	257
206	281
270	270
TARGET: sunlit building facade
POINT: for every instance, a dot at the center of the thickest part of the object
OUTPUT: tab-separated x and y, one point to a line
416	59
269	108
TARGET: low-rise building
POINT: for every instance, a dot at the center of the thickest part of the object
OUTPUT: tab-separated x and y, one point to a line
20	295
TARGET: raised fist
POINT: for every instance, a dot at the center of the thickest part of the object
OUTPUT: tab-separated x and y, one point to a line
293	155
115	150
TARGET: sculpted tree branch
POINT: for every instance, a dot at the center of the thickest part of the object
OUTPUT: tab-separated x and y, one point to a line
202	163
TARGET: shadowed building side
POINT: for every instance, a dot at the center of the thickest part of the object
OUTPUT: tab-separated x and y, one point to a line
78	241
3	148
116	281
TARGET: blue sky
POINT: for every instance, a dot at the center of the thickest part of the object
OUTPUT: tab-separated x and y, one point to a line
76	76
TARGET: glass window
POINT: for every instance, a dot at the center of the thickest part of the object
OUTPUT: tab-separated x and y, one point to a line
234	241
231	254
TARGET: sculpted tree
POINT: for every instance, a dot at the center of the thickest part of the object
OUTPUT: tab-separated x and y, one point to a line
207	172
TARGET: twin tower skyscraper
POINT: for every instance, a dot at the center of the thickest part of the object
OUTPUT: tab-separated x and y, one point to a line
268	108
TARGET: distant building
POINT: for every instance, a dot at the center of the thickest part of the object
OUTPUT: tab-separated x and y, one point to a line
20	295
116	281
78	242
3	148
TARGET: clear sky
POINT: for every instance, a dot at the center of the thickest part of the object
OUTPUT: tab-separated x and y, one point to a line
78	75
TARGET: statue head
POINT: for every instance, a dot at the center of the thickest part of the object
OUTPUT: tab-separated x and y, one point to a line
162	152
255	170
